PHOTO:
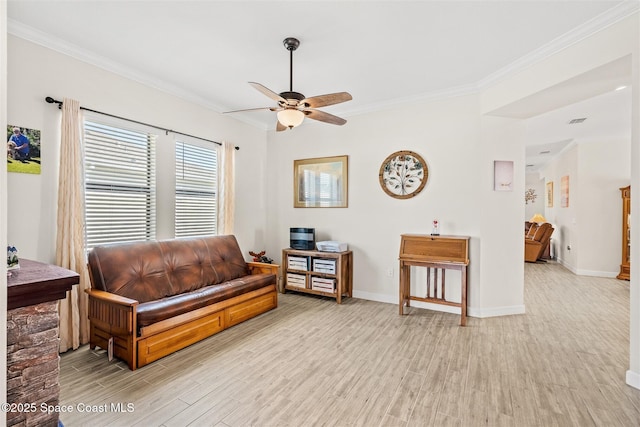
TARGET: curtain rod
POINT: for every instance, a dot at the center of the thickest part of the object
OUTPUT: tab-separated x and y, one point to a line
50	100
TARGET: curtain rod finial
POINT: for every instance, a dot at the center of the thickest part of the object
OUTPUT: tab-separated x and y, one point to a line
50	100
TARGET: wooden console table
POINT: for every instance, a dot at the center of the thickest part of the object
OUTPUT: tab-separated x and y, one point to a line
439	253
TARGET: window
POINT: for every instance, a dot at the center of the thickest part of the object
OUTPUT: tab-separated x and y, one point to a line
119	185
196	190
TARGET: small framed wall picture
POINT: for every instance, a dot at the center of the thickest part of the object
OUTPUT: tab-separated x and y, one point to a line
503	175
23	150
549	194
564	191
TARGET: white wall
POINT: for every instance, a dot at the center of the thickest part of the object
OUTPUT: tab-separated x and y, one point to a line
32	198
3	207
633	374
448	135
604	167
591	224
502	250
564	219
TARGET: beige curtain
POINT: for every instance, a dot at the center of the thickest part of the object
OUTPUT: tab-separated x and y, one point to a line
227	193
70	254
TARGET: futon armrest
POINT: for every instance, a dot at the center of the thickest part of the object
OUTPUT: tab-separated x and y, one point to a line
110	298
113	314
263	268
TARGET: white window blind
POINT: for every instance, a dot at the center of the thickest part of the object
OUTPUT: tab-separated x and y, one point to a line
196	190
119	185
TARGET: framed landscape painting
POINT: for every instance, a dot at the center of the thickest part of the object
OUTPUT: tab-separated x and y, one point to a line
320	182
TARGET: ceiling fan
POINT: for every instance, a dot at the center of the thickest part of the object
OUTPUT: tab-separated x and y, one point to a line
292	107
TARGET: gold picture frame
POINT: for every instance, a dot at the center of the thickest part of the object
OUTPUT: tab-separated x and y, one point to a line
320	182
550	194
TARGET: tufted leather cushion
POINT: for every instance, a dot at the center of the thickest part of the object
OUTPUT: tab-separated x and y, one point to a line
155	311
135	270
188	265
150	271
226	258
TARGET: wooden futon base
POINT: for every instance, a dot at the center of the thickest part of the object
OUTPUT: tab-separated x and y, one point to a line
113	324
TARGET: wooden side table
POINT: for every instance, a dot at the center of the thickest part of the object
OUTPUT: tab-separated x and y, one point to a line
303	271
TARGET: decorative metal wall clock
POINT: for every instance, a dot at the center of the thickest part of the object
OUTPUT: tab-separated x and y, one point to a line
403	174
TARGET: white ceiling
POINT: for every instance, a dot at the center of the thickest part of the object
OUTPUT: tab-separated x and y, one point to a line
384	53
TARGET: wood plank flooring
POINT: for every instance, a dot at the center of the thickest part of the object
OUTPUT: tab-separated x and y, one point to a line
312	362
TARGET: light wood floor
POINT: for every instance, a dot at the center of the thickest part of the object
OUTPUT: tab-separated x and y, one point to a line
312	362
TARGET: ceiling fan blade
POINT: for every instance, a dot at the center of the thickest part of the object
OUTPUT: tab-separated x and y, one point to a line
324	117
279	126
266	91
328	99
253	109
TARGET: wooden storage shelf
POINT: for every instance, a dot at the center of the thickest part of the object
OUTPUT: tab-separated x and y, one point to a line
343	276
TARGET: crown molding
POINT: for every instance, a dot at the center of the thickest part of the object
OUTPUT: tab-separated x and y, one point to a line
43	39
413	99
581	32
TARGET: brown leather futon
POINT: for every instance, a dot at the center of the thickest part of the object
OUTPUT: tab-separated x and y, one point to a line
150	299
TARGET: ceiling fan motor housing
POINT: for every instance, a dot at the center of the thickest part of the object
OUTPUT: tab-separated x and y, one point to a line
292	95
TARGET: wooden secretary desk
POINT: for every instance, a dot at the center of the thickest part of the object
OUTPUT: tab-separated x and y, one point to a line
437	254
625	265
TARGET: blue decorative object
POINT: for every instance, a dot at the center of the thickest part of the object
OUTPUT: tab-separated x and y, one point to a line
12	258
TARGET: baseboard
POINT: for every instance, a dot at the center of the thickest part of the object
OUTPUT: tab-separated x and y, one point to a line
471	312
370	296
633	379
437	307
569	267
496	311
590	273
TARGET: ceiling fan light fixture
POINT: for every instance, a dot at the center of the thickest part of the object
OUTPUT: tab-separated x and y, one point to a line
290	117
292	107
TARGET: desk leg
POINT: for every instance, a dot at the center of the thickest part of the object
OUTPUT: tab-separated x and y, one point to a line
400	289
463	306
349	282
405	281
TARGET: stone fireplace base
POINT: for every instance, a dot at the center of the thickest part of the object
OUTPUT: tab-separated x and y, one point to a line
33	362
33	365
